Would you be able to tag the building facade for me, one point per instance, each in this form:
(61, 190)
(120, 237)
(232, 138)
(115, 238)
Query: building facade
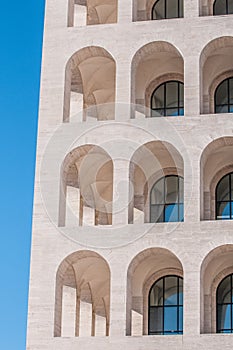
(132, 242)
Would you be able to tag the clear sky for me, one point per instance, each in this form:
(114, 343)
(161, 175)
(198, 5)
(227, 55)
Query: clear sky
(21, 28)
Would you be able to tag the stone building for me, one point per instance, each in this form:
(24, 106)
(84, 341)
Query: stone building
(132, 242)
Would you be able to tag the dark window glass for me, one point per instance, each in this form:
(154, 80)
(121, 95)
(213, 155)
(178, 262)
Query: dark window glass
(224, 97)
(224, 306)
(166, 306)
(167, 200)
(223, 7)
(163, 9)
(224, 198)
(168, 99)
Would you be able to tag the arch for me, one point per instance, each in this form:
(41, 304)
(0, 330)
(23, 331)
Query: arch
(142, 10)
(86, 187)
(224, 298)
(90, 76)
(144, 270)
(146, 72)
(149, 163)
(224, 198)
(89, 12)
(217, 264)
(215, 162)
(82, 295)
(215, 65)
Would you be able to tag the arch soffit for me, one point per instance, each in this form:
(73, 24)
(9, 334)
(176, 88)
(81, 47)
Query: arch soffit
(213, 45)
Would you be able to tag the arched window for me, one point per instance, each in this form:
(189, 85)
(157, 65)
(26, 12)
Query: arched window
(166, 306)
(223, 7)
(224, 97)
(163, 9)
(168, 99)
(167, 199)
(224, 198)
(225, 305)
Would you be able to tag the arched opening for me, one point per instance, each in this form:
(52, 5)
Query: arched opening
(224, 305)
(82, 296)
(155, 64)
(216, 162)
(88, 12)
(215, 268)
(168, 99)
(223, 97)
(165, 312)
(90, 85)
(157, 172)
(154, 273)
(224, 198)
(86, 187)
(144, 10)
(216, 65)
(222, 7)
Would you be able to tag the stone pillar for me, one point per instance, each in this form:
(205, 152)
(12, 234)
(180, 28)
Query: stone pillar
(191, 8)
(121, 193)
(125, 11)
(123, 90)
(191, 85)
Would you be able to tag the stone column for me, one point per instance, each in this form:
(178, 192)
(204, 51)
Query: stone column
(191, 8)
(191, 85)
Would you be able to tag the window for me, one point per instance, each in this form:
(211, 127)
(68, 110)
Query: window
(166, 306)
(163, 9)
(224, 97)
(224, 198)
(168, 99)
(225, 305)
(167, 200)
(223, 7)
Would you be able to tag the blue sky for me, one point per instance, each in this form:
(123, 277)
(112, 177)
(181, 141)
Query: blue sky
(21, 28)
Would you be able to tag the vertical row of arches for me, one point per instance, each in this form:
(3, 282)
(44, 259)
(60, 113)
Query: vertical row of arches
(155, 289)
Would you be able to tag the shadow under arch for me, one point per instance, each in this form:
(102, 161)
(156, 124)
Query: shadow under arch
(145, 72)
(149, 163)
(90, 76)
(216, 265)
(146, 268)
(215, 65)
(86, 187)
(215, 162)
(83, 280)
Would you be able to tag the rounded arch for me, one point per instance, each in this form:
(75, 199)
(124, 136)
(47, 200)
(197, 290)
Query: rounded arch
(86, 187)
(217, 264)
(149, 163)
(89, 12)
(145, 268)
(145, 71)
(215, 65)
(215, 162)
(90, 76)
(82, 295)
(142, 10)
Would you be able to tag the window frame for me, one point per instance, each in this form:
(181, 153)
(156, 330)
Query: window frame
(165, 5)
(226, 8)
(178, 203)
(178, 107)
(228, 104)
(226, 331)
(178, 306)
(230, 201)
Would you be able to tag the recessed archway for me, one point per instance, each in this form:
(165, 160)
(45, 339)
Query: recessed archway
(82, 296)
(216, 64)
(146, 268)
(86, 187)
(89, 85)
(153, 64)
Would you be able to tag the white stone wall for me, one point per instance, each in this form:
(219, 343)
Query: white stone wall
(192, 242)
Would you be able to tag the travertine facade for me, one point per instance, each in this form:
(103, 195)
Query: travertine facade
(95, 254)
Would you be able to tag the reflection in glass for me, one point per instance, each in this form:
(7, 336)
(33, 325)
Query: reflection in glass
(166, 306)
(223, 100)
(224, 198)
(167, 200)
(163, 9)
(223, 7)
(168, 99)
(225, 306)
